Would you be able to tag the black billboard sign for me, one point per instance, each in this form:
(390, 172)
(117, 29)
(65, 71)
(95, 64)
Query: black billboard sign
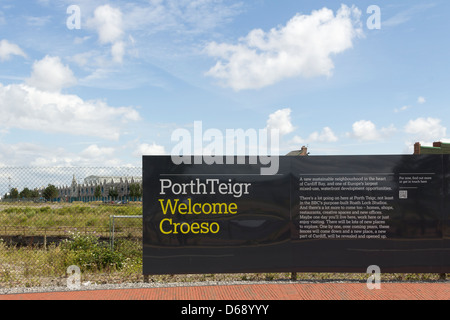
(317, 214)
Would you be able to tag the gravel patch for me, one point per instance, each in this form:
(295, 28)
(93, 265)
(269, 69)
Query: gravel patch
(87, 286)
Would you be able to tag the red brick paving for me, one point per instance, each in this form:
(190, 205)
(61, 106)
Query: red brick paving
(296, 291)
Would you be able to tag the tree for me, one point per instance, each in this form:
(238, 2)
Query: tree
(34, 194)
(98, 192)
(50, 192)
(113, 193)
(25, 193)
(14, 193)
(135, 190)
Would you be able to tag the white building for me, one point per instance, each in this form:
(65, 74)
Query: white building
(96, 188)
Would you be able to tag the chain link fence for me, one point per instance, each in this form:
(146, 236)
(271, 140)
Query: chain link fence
(55, 218)
(52, 218)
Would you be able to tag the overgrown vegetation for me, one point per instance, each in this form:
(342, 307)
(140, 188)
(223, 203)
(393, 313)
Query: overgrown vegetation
(87, 252)
(46, 264)
(100, 265)
(38, 265)
(73, 215)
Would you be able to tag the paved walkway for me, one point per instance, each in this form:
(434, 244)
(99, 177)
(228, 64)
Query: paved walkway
(289, 291)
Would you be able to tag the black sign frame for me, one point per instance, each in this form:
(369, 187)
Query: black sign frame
(390, 210)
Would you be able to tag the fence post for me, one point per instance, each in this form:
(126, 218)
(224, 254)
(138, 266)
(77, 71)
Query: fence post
(45, 239)
(110, 232)
(112, 227)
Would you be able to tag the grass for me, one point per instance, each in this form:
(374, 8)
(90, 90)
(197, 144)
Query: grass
(80, 215)
(29, 266)
(35, 266)
(56, 219)
(38, 267)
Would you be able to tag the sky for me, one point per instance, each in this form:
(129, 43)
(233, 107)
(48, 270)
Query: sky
(101, 83)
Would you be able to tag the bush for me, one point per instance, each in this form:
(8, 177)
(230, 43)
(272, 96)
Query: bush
(91, 254)
(98, 258)
(80, 242)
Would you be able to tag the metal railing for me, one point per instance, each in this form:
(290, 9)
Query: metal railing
(124, 230)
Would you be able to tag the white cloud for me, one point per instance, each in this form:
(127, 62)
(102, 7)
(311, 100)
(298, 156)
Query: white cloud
(281, 120)
(38, 21)
(406, 15)
(122, 32)
(326, 135)
(8, 49)
(421, 100)
(364, 130)
(39, 105)
(84, 59)
(181, 16)
(404, 108)
(303, 47)
(94, 151)
(36, 155)
(49, 74)
(147, 149)
(426, 129)
(118, 51)
(79, 40)
(29, 108)
(108, 22)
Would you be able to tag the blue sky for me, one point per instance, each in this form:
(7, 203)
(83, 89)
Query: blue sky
(135, 71)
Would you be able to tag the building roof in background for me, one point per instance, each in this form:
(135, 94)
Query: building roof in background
(437, 148)
(302, 152)
(108, 179)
